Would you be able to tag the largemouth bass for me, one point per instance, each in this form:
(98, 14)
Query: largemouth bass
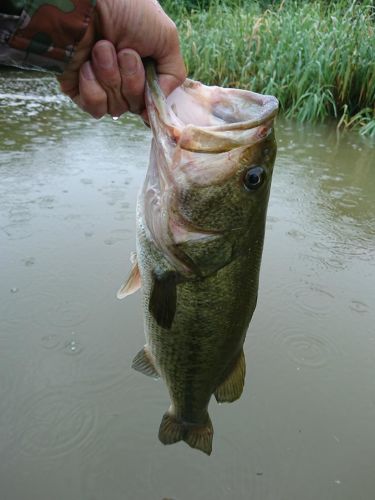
(200, 228)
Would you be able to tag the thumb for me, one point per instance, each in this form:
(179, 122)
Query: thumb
(170, 67)
(169, 82)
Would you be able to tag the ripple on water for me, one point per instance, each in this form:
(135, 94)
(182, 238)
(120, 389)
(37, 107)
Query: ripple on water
(50, 341)
(20, 215)
(68, 343)
(51, 305)
(61, 309)
(17, 231)
(97, 365)
(356, 248)
(72, 347)
(313, 299)
(87, 181)
(53, 423)
(296, 234)
(102, 369)
(327, 256)
(65, 311)
(117, 236)
(306, 349)
(358, 306)
(28, 261)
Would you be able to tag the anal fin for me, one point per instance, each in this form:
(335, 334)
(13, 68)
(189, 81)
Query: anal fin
(232, 387)
(142, 363)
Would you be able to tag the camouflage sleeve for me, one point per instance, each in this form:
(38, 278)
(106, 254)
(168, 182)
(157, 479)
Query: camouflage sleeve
(44, 34)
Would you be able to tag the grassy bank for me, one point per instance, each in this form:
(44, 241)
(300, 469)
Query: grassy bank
(317, 57)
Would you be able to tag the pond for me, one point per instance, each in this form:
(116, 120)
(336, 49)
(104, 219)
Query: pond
(76, 422)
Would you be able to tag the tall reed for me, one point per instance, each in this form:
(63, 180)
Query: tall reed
(317, 57)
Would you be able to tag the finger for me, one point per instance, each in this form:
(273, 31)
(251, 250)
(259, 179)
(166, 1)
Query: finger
(69, 79)
(70, 87)
(168, 83)
(170, 64)
(105, 66)
(91, 98)
(132, 79)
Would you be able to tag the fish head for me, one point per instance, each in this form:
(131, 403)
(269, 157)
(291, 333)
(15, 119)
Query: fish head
(211, 161)
(222, 191)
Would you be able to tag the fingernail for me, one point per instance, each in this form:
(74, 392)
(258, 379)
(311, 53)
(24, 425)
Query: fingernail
(128, 63)
(103, 55)
(87, 71)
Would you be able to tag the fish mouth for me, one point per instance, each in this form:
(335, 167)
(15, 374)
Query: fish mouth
(252, 109)
(209, 119)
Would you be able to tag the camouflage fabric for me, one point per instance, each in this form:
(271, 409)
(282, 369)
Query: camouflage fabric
(45, 33)
(13, 7)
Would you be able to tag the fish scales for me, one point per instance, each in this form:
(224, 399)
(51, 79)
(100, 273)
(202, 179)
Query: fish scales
(200, 229)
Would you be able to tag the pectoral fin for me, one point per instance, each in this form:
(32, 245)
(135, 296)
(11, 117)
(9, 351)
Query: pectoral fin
(163, 299)
(231, 388)
(142, 363)
(133, 283)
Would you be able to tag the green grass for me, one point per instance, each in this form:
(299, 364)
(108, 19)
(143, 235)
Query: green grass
(316, 57)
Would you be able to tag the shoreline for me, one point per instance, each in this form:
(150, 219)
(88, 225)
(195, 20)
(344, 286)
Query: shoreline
(316, 58)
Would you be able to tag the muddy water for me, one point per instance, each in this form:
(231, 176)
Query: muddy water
(76, 422)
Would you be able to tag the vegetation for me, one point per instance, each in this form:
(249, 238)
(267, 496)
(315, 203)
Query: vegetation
(317, 57)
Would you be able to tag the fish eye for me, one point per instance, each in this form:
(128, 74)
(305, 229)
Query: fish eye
(254, 178)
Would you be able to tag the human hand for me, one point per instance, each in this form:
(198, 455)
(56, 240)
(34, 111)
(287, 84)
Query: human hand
(112, 81)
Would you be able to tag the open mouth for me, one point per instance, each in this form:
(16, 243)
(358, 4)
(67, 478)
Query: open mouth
(212, 120)
(219, 109)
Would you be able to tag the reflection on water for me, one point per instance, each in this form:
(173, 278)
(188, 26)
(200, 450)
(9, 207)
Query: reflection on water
(76, 421)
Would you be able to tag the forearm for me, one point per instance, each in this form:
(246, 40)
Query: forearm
(42, 35)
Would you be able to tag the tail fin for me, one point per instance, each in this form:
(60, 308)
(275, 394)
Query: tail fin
(197, 436)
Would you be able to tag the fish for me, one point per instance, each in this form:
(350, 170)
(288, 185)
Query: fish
(201, 216)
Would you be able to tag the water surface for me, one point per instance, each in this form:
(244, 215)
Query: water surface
(76, 422)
